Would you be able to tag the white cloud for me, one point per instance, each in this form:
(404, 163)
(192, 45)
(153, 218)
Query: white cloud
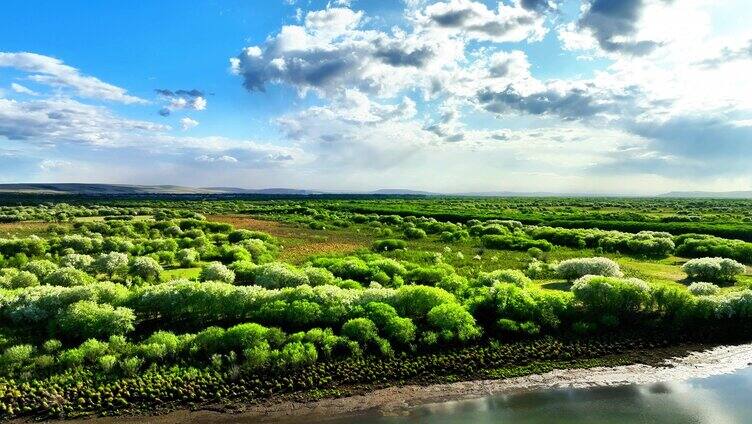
(510, 23)
(51, 165)
(53, 72)
(212, 159)
(187, 123)
(181, 99)
(20, 89)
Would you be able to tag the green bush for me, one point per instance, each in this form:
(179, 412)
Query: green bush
(68, 277)
(215, 271)
(713, 269)
(388, 245)
(572, 269)
(453, 322)
(86, 319)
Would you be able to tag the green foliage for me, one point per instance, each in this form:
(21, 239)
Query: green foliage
(573, 269)
(215, 271)
(145, 268)
(601, 295)
(68, 277)
(187, 257)
(453, 322)
(86, 319)
(40, 268)
(713, 269)
(387, 245)
(23, 279)
(514, 242)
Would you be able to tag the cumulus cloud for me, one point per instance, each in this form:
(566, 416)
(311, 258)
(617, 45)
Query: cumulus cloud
(475, 20)
(181, 99)
(187, 123)
(614, 25)
(53, 72)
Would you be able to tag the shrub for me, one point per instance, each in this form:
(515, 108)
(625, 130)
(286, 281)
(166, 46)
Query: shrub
(703, 289)
(245, 271)
(362, 330)
(77, 261)
(16, 356)
(52, 345)
(713, 269)
(171, 342)
(187, 257)
(388, 245)
(396, 329)
(215, 271)
(86, 319)
(416, 301)
(209, 341)
(572, 269)
(278, 274)
(23, 279)
(40, 268)
(319, 276)
(297, 354)
(511, 276)
(539, 270)
(68, 277)
(111, 263)
(146, 268)
(107, 363)
(130, 366)
(413, 233)
(610, 295)
(514, 242)
(453, 322)
(244, 336)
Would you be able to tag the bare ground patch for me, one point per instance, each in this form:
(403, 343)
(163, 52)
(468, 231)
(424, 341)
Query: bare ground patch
(300, 242)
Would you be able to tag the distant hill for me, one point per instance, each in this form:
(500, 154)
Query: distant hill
(236, 190)
(403, 192)
(710, 194)
(82, 188)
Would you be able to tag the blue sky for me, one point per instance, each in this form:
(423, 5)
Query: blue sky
(628, 96)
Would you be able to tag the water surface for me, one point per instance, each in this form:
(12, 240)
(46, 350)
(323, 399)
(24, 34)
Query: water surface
(720, 399)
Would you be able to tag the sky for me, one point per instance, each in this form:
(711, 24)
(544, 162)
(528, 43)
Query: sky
(568, 96)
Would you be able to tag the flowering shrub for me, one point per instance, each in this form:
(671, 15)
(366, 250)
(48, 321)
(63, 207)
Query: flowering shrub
(703, 289)
(713, 269)
(572, 269)
(215, 271)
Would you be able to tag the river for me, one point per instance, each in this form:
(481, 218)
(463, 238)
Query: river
(718, 399)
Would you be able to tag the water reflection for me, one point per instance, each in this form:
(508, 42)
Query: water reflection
(723, 399)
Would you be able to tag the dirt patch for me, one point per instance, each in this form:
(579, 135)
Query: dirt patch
(299, 242)
(277, 229)
(8, 229)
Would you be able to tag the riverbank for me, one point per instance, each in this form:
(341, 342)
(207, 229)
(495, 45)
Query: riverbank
(660, 365)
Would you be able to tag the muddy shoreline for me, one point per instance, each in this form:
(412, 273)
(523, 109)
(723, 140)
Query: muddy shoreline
(398, 399)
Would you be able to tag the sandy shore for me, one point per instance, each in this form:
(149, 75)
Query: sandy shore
(394, 400)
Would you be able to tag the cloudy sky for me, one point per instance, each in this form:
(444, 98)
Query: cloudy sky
(608, 96)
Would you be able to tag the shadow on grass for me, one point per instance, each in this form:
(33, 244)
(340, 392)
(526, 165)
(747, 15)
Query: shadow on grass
(558, 285)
